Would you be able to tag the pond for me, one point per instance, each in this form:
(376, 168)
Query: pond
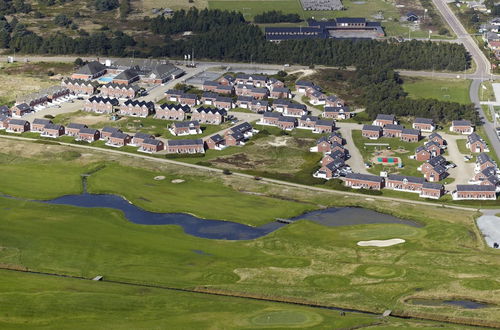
(466, 304)
(218, 229)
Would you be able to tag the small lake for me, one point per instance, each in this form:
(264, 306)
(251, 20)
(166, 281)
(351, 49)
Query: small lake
(227, 230)
(466, 304)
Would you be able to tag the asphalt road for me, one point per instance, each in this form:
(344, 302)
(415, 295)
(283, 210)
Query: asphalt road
(483, 68)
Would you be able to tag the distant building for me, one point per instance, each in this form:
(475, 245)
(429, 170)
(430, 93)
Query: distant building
(342, 27)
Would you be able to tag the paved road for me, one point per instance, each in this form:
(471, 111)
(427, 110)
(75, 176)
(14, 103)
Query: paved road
(483, 68)
(264, 180)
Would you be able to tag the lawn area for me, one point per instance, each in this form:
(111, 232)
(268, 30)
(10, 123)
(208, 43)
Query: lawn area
(240, 110)
(41, 301)
(213, 199)
(453, 90)
(150, 125)
(486, 92)
(368, 152)
(303, 261)
(462, 146)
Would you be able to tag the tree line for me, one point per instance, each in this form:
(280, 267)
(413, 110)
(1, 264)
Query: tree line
(226, 36)
(383, 93)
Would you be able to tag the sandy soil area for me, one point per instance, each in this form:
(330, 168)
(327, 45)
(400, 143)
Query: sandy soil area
(382, 243)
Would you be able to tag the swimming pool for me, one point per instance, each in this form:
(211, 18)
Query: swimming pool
(106, 79)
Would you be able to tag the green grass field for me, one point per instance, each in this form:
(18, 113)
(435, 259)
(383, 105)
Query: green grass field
(353, 8)
(213, 199)
(37, 301)
(456, 90)
(304, 261)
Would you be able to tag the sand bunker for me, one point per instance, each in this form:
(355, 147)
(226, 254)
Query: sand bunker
(382, 243)
(177, 181)
(159, 178)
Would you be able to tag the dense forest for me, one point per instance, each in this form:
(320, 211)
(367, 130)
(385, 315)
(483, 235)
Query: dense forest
(224, 35)
(383, 93)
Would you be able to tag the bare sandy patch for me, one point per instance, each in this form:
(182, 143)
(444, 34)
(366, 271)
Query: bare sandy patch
(382, 243)
(177, 181)
(280, 141)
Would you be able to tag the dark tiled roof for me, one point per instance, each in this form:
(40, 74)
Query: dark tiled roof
(40, 121)
(91, 68)
(110, 129)
(364, 177)
(433, 135)
(311, 118)
(242, 98)
(243, 127)
(439, 160)
(76, 125)
(185, 142)
(140, 135)
(412, 179)
(431, 185)
(410, 131)
(385, 117)
(260, 102)
(336, 109)
(372, 128)
(209, 95)
(483, 158)
(135, 88)
(128, 74)
(287, 119)
(100, 99)
(324, 122)
(272, 115)
(393, 127)
(17, 122)
(222, 112)
(461, 123)
(152, 142)
(54, 126)
(186, 123)
(217, 138)
(23, 107)
(474, 187)
(423, 121)
(88, 130)
(137, 103)
(174, 92)
(119, 135)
